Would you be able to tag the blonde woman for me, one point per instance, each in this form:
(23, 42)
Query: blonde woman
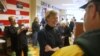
(49, 38)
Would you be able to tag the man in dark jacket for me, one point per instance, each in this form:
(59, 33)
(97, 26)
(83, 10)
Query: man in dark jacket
(18, 37)
(13, 33)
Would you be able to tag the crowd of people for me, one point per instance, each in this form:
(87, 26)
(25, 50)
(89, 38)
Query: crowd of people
(50, 38)
(54, 35)
(86, 44)
(53, 38)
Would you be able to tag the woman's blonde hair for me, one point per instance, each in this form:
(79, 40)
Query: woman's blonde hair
(50, 13)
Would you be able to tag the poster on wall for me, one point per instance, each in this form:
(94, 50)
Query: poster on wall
(3, 7)
(20, 5)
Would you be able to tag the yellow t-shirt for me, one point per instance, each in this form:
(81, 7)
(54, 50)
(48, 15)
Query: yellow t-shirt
(72, 50)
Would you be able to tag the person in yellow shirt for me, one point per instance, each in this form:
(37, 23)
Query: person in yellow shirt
(87, 44)
(72, 50)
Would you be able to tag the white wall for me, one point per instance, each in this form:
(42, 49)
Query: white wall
(78, 13)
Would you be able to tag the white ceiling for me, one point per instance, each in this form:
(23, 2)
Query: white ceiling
(66, 4)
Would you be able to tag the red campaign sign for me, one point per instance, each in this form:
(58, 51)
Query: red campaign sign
(6, 22)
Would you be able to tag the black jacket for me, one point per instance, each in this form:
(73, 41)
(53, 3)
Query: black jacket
(65, 31)
(14, 37)
(35, 27)
(71, 26)
(89, 42)
(18, 41)
(22, 39)
(48, 36)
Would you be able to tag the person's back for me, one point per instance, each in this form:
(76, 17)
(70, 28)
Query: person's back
(35, 25)
(85, 44)
(35, 29)
(71, 26)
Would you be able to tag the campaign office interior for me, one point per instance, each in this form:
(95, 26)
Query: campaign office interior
(26, 10)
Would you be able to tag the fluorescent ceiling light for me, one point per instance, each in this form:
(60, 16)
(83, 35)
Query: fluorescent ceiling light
(67, 4)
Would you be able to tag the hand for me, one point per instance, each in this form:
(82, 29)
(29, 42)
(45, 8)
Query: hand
(23, 28)
(62, 37)
(48, 48)
(55, 49)
(20, 30)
